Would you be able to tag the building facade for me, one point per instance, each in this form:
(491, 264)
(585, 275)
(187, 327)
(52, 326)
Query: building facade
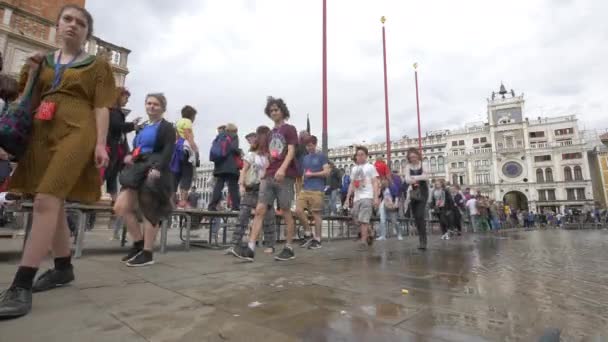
(28, 27)
(203, 181)
(536, 164)
(598, 164)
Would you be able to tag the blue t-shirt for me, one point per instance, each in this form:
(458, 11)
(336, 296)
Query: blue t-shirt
(146, 138)
(314, 163)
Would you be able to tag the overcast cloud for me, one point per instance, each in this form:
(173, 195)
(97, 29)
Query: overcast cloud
(224, 57)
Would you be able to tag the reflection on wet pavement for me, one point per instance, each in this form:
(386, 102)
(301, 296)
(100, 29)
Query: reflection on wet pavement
(506, 287)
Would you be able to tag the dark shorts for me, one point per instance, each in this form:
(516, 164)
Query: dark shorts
(183, 180)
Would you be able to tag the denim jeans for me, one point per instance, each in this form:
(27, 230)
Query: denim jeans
(117, 227)
(388, 215)
(495, 223)
(333, 202)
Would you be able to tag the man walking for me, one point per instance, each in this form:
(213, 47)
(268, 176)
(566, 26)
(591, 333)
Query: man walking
(278, 181)
(316, 169)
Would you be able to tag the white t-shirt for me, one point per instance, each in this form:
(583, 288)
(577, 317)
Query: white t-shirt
(472, 206)
(257, 167)
(362, 177)
(388, 200)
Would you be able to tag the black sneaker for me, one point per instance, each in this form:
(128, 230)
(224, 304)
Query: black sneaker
(53, 278)
(286, 254)
(133, 252)
(306, 241)
(315, 244)
(142, 259)
(15, 302)
(244, 253)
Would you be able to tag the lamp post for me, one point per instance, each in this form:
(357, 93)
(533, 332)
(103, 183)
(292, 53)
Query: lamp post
(388, 129)
(324, 79)
(418, 107)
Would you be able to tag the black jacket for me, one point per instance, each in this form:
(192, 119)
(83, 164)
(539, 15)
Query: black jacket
(228, 165)
(117, 136)
(154, 198)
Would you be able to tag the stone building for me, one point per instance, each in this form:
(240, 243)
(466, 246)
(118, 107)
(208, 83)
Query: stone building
(598, 165)
(203, 180)
(28, 27)
(537, 164)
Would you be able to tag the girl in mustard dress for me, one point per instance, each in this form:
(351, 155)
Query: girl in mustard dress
(66, 149)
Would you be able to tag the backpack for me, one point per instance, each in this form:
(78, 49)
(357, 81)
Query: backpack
(220, 148)
(252, 175)
(16, 119)
(395, 186)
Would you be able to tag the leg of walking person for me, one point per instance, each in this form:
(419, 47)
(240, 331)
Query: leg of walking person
(146, 257)
(333, 202)
(392, 216)
(17, 301)
(125, 207)
(382, 211)
(316, 207)
(418, 208)
(270, 230)
(285, 194)
(250, 199)
(270, 190)
(304, 202)
(457, 220)
(63, 272)
(443, 223)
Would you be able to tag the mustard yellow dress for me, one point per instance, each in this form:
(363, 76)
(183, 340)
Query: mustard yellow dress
(60, 157)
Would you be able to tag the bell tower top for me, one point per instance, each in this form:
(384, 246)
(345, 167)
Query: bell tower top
(505, 107)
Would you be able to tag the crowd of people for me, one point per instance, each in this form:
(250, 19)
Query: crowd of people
(79, 122)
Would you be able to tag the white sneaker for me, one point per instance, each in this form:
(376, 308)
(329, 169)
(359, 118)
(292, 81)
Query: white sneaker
(381, 238)
(444, 236)
(399, 237)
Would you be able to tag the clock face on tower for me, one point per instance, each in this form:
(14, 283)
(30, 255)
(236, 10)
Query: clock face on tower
(512, 169)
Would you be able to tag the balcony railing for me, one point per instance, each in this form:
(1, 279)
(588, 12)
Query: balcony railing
(563, 143)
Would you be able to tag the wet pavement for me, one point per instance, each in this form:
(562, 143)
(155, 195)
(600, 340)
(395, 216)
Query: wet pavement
(507, 287)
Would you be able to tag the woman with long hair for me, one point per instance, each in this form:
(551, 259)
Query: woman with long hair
(443, 205)
(66, 148)
(147, 182)
(418, 192)
(118, 147)
(255, 163)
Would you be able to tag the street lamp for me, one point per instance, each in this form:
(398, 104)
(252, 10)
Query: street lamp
(388, 129)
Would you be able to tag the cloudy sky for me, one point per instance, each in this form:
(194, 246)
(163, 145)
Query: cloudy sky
(224, 57)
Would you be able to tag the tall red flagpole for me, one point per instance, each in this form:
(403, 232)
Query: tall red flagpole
(388, 129)
(324, 79)
(418, 107)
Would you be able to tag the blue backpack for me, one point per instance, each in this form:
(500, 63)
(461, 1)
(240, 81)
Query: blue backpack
(395, 186)
(220, 148)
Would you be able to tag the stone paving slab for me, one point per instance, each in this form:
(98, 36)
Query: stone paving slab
(505, 287)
